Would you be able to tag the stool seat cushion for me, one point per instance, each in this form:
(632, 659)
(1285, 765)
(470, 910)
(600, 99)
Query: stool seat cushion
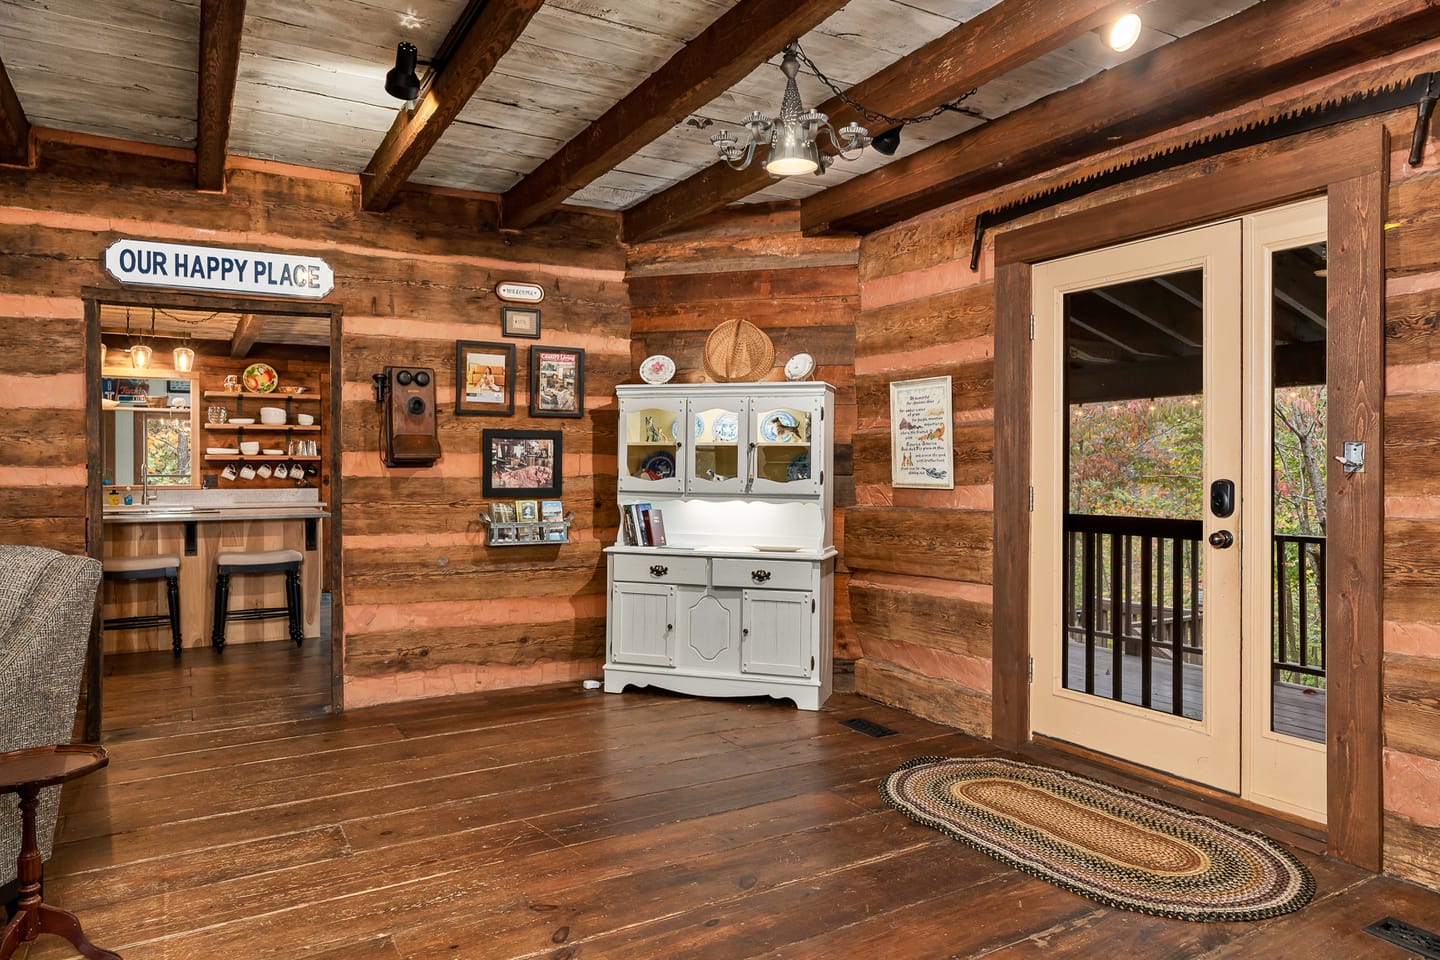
(259, 558)
(159, 563)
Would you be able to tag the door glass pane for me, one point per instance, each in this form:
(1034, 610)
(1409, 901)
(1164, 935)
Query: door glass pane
(651, 440)
(717, 443)
(1135, 491)
(782, 444)
(1297, 310)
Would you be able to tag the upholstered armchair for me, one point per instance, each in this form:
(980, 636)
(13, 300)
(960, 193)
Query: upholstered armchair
(47, 601)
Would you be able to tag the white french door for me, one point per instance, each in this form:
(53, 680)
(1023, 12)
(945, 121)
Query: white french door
(1155, 560)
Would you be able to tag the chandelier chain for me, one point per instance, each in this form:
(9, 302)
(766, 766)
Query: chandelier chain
(872, 116)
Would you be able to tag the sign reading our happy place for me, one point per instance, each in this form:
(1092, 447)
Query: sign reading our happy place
(218, 269)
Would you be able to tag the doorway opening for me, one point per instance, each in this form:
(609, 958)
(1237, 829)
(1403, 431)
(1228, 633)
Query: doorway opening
(214, 425)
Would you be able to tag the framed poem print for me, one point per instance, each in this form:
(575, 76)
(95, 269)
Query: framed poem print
(484, 378)
(520, 322)
(921, 446)
(557, 382)
(520, 463)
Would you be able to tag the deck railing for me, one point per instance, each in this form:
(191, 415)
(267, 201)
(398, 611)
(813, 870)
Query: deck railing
(1132, 589)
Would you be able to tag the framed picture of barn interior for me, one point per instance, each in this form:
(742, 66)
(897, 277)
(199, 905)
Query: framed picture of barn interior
(484, 378)
(557, 382)
(521, 463)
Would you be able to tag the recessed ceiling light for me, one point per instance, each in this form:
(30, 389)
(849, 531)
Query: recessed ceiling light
(1122, 34)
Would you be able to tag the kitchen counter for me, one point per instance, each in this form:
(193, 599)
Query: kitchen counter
(185, 514)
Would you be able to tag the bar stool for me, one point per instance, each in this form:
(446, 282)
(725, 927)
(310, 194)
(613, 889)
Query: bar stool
(262, 561)
(149, 568)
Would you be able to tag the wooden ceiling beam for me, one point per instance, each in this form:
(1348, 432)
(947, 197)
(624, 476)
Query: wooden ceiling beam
(247, 333)
(414, 132)
(14, 128)
(221, 24)
(987, 46)
(720, 57)
(1260, 50)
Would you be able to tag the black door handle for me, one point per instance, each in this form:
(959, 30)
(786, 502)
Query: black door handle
(1222, 539)
(1222, 498)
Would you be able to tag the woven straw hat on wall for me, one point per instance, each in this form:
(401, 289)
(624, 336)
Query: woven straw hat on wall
(738, 350)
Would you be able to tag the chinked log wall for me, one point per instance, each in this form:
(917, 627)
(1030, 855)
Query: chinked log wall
(428, 609)
(752, 263)
(920, 588)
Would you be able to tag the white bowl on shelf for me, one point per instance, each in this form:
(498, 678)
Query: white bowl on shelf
(272, 415)
(305, 419)
(250, 447)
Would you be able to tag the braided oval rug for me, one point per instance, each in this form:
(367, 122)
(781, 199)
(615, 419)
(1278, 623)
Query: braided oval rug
(1111, 845)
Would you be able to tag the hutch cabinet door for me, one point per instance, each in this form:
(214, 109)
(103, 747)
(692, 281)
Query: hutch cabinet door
(776, 632)
(716, 463)
(651, 444)
(785, 435)
(642, 624)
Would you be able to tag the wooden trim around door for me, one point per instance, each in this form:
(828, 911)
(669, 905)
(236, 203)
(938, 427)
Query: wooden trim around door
(1352, 168)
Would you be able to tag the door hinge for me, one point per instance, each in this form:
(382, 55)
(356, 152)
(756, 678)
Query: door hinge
(812, 664)
(1032, 326)
(1029, 669)
(1032, 499)
(812, 604)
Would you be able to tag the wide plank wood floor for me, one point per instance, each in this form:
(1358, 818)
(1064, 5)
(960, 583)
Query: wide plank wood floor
(239, 819)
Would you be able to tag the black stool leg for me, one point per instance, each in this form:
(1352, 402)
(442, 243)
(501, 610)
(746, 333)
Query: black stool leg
(172, 597)
(222, 611)
(292, 600)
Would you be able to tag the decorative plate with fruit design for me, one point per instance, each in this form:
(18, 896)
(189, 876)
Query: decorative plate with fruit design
(260, 378)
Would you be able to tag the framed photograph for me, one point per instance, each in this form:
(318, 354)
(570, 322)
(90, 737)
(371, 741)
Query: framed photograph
(528, 511)
(921, 445)
(557, 382)
(520, 322)
(484, 378)
(177, 386)
(520, 463)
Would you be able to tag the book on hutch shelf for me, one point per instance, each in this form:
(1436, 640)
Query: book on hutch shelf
(657, 527)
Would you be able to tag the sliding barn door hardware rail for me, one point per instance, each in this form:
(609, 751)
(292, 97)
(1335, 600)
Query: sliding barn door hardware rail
(1420, 91)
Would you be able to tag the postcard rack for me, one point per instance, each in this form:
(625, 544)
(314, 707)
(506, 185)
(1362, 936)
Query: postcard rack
(526, 533)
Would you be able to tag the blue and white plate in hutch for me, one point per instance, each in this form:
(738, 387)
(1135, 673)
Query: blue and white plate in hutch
(658, 466)
(768, 428)
(799, 468)
(727, 427)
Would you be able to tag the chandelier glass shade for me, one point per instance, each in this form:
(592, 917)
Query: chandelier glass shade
(793, 137)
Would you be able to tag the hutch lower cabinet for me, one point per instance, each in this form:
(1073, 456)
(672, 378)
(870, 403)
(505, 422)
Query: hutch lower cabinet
(738, 602)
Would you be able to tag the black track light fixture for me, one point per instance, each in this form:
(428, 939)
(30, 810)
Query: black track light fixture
(887, 143)
(401, 82)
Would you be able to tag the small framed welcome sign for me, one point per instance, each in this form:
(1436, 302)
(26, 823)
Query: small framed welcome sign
(921, 448)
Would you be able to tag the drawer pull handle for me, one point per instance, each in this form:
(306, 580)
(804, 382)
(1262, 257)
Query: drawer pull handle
(658, 570)
(759, 576)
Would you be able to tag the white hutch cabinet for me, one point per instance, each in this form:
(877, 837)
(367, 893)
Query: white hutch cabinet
(738, 603)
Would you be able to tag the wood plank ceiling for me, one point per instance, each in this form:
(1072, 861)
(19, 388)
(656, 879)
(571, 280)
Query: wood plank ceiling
(610, 105)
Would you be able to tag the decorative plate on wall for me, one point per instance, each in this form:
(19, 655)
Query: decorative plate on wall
(260, 378)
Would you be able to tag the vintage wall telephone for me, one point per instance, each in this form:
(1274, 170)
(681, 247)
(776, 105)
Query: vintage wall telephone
(407, 416)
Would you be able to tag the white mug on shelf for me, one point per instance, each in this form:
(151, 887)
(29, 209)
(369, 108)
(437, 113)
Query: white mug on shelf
(263, 471)
(229, 473)
(282, 470)
(247, 472)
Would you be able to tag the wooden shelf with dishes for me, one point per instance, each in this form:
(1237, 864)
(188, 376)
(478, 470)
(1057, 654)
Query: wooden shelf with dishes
(257, 456)
(266, 397)
(264, 427)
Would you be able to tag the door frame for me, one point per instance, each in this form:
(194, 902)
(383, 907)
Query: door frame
(1351, 167)
(93, 297)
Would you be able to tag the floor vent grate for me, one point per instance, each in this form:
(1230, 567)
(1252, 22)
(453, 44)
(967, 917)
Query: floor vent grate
(868, 727)
(1406, 935)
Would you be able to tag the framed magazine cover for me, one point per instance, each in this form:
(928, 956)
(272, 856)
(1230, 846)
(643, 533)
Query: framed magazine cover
(484, 378)
(557, 382)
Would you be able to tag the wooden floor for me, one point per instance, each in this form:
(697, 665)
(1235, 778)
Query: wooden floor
(238, 819)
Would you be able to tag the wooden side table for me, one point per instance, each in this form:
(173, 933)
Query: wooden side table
(27, 772)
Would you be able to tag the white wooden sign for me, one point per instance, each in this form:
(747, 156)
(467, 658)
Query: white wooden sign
(519, 292)
(921, 448)
(218, 269)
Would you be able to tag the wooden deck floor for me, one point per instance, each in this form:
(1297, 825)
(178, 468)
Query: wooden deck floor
(238, 819)
(1299, 711)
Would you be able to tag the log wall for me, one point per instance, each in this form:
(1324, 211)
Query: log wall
(752, 263)
(428, 609)
(921, 560)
